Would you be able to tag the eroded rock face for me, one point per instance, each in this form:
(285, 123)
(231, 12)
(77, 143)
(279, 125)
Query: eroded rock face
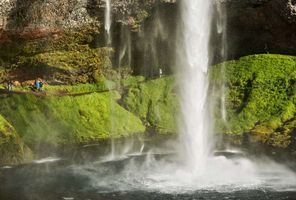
(36, 18)
(32, 19)
(44, 14)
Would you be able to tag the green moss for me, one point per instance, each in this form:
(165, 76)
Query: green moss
(80, 89)
(261, 95)
(71, 60)
(75, 89)
(80, 65)
(131, 81)
(12, 149)
(68, 119)
(60, 45)
(139, 18)
(155, 103)
(66, 41)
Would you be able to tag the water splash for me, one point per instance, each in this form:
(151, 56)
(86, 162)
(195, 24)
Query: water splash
(47, 160)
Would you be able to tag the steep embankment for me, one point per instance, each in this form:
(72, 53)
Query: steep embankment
(69, 120)
(155, 102)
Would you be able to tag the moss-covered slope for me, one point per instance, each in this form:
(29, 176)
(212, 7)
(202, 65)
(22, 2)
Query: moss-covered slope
(260, 97)
(155, 103)
(68, 119)
(12, 148)
(78, 65)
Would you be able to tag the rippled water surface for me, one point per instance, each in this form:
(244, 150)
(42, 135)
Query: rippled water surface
(146, 175)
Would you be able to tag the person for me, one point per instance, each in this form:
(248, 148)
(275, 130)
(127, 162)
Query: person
(37, 84)
(40, 85)
(9, 86)
(160, 72)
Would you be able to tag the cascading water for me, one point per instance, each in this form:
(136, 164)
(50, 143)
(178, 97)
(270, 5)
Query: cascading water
(222, 32)
(107, 27)
(196, 18)
(108, 21)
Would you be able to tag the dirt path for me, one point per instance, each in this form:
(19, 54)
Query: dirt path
(43, 93)
(59, 93)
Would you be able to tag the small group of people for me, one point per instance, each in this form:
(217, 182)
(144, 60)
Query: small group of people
(38, 84)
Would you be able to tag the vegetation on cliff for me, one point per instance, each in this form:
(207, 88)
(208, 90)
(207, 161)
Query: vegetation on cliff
(260, 100)
(81, 65)
(84, 113)
(155, 103)
(260, 97)
(12, 148)
(69, 119)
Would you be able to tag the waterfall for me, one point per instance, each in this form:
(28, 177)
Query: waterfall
(107, 27)
(194, 61)
(222, 31)
(108, 21)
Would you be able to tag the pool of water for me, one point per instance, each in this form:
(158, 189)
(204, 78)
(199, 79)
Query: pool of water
(146, 173)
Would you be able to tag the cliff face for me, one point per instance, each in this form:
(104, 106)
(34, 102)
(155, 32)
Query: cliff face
(252, 26)
(34, 19)
(31, 19)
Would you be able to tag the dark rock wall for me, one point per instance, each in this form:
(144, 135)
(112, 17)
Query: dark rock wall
(266, 26)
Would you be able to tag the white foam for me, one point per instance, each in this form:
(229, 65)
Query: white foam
(7, 167)
(47, 160)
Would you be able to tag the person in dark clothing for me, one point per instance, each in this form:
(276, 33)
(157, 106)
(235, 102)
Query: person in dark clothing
(9, 85)
(40, 85)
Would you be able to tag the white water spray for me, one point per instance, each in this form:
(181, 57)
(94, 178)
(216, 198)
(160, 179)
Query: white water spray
(108, 21)
(196, 18)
